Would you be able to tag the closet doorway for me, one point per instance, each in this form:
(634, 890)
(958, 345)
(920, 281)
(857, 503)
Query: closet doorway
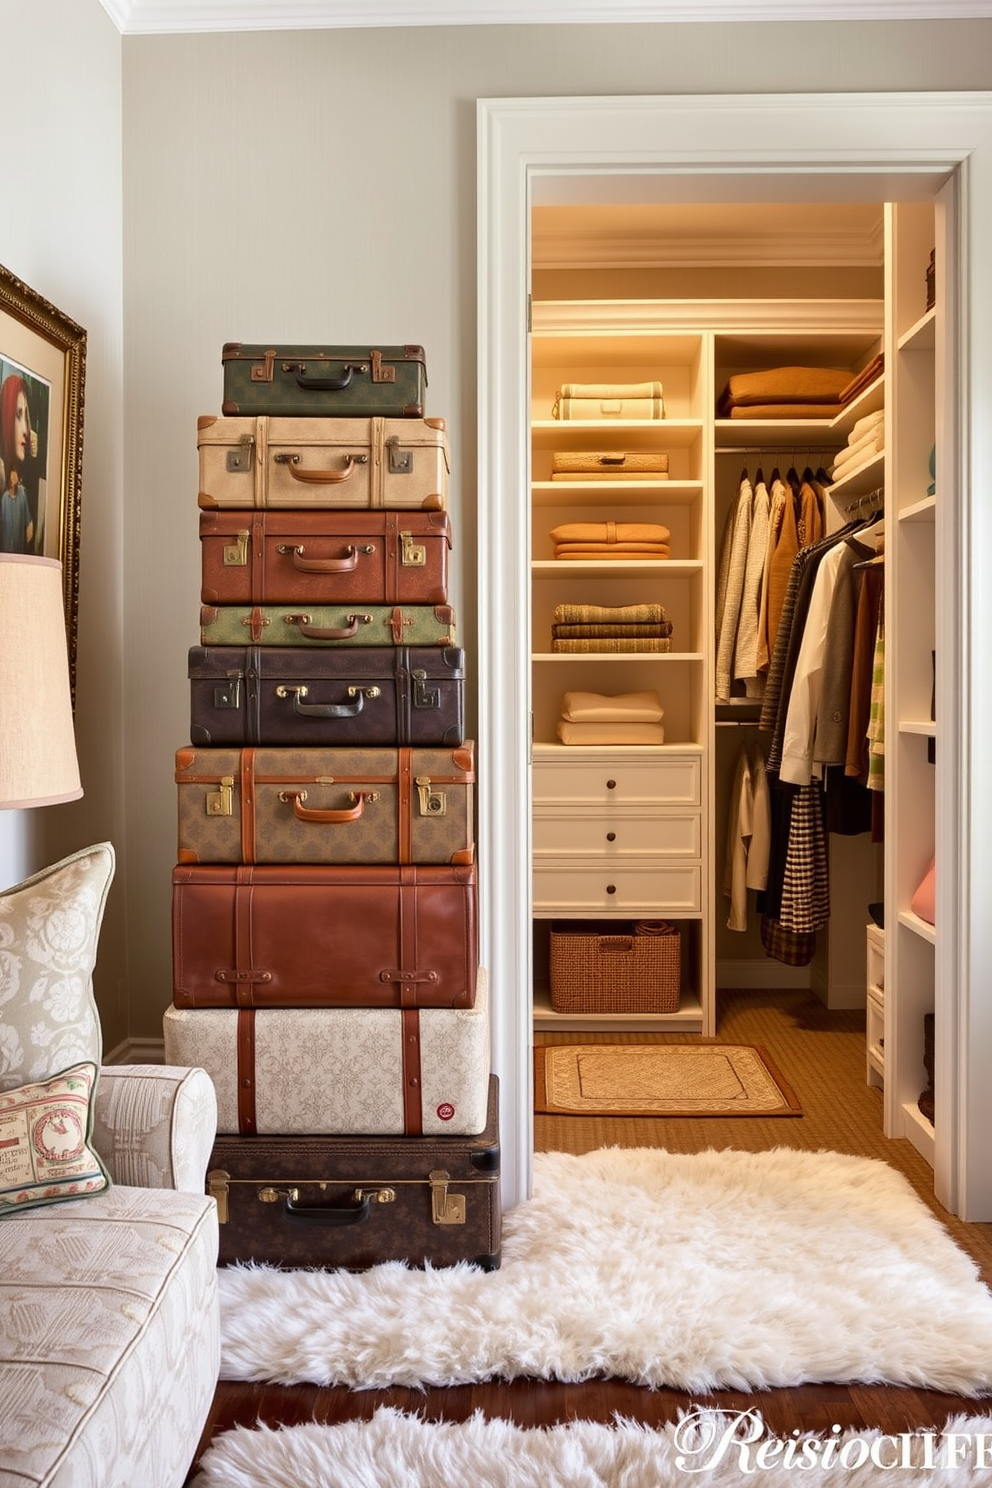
(872, 149)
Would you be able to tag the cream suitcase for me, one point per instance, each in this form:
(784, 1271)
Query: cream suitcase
(341, 1071)
(392, 463)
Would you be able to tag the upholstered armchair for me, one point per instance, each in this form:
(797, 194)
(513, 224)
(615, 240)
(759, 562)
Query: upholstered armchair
(109, 1329)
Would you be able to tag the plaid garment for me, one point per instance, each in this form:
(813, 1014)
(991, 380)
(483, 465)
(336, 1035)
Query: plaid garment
(787, 946)
(876, 720)
(806, 884)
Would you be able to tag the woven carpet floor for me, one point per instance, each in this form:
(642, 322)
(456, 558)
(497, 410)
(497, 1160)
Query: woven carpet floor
(822, 1056)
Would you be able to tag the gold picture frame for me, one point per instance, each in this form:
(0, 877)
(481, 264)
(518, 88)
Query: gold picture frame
(42, 371)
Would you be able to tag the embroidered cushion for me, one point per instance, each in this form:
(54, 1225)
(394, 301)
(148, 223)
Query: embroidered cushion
(49, 930)
(45, 1152)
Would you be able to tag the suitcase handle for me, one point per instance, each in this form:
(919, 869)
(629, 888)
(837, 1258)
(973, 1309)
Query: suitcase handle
(327, 632)
(325, 384)
(351, 1211)
(320, 477)
(328, 817)
(328, 710)
(347, 563)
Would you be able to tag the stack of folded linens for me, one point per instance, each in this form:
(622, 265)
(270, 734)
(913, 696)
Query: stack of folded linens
(609, 400)
(864, 442)
(863, 379)
(615, 540)
(599, 718)
(596, 628)
(784, 393)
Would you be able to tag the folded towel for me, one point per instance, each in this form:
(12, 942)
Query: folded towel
(866, 425)
(786, 385)
(852, 459)
(610, 532)
(604, 630)
(592, 645)
(787, 411)
(599, 707)
(864, 378)
(619, 614)
(612, 550)
(610, 733)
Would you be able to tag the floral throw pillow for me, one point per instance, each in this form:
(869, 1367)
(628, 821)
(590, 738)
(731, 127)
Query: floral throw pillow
(45, 1152)
(49, 931)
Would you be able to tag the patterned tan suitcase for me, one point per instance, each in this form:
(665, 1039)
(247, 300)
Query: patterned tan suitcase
(323, 462)
(326, 805)
(317, 1071)
(324, 557)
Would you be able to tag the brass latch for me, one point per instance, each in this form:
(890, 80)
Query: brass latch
(239, 458)
(273, 1195)
(446, 1209)
(432, 802)
(220, 802)
(236, 552)
(375, 1195)
(414, 554)
(424, 696)
(218, 1187)
(400, 460)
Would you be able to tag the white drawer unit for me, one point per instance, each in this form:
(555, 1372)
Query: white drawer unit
(576, 888)
(616, 778)
(558, 832)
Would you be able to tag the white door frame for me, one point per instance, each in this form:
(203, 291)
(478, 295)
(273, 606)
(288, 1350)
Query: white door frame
(883, 145)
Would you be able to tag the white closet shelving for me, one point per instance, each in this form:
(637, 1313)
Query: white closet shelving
(626, 832)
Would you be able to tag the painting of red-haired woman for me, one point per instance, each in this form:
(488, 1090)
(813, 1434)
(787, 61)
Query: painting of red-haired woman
(24, 403)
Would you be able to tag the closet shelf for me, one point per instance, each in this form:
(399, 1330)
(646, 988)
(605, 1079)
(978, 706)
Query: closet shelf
(633, 434)
(922, 335)
(859, 482)
(688, 1017)
(924, 726)
(870, 401)
(617, 493)
(783, 435)
(615, 658)
(580, 568)
(920, 511)
(919, 927)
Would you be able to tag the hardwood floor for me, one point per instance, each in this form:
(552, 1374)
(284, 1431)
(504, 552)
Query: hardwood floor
(821, 1054)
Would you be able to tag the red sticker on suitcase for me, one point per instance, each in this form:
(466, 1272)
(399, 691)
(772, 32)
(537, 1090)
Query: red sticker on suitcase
(445, 1111)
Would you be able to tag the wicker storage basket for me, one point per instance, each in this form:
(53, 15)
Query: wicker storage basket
(605, 465)
(612, 967)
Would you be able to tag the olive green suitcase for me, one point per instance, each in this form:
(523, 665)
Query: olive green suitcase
(327, 625)
(329, 381)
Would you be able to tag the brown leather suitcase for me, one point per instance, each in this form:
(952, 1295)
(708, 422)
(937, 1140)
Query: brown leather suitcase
(340, 1071)
(374, 695)
(260, 805)
(324, 557)
(298, 935)
(353, 1202)
(400, 464)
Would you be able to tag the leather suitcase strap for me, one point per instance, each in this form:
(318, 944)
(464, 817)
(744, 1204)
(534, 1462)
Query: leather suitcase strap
(404, 803)
(247, 1120)
(248, 805)
(253, 701)
(413, 1105)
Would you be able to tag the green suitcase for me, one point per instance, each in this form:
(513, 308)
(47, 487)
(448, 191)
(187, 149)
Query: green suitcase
(324, 381)
(327, 625)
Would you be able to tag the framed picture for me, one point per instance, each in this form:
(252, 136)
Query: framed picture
(42, 368)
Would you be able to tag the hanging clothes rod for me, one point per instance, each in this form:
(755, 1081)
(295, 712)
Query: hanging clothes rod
(870, 501)
(768, 450)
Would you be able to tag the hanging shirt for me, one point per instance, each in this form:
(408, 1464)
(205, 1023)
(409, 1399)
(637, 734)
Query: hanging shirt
(746, 650)
(736, 567)
(748, 834)
(776, 513)
(799, 739)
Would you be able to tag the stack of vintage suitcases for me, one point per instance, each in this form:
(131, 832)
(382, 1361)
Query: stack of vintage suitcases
(325, 949)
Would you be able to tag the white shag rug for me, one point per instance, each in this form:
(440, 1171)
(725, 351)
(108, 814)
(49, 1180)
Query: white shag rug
(714, 1270)
(395, 1450)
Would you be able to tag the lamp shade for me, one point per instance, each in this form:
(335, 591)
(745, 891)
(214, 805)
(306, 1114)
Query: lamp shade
(38, 764)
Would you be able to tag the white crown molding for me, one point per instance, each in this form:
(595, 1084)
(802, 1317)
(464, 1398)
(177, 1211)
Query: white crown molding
(598, 249)
(134, 17)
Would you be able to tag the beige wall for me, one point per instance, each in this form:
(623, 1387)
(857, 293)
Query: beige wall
(60, 232)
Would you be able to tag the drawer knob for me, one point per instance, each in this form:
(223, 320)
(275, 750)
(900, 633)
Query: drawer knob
(611, 785)
(611, 888)
(611, 836)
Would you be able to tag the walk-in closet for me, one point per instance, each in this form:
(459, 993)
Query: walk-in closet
(781, 818)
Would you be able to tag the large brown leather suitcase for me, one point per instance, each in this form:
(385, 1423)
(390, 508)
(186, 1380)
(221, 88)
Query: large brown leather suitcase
(326, 805)
(323, 557)
(334, 381)
(340, 1071)
(299, 935)
(383, 695)
(354, 1202)
(401, 464)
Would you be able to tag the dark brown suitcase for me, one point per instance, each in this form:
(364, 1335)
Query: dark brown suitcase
(259, 805)
(374, 695)
(324, 557)
(298, 935)
(353, 1202)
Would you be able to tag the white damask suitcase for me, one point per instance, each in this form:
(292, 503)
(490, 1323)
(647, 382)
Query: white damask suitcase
(341, 1071)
